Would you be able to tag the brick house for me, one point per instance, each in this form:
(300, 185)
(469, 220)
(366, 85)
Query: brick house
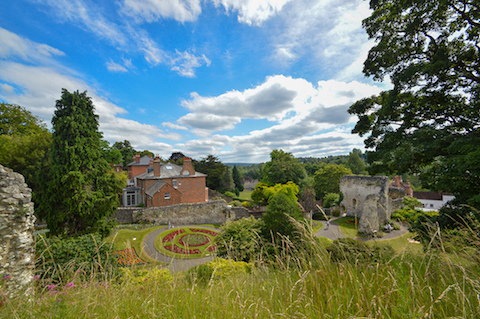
(163, 184)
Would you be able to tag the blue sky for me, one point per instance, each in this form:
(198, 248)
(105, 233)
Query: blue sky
(234, 78)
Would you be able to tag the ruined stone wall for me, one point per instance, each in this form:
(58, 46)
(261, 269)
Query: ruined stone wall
(214, 212)
(17, 256)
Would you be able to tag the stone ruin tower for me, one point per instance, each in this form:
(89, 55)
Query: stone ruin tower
(372, 199)
(17, 256)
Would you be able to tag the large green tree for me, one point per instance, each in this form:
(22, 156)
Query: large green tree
(24, 143)
(327, 179)
(283, 167)
(127, 151)
(214, 169)
(355, 163)
(81, 190)
(430, 121)
(237, 178)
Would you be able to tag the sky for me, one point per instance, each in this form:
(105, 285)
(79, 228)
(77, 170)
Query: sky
(232, 78)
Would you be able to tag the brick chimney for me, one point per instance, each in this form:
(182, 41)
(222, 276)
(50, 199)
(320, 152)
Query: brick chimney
(409, 189)
(136, 158)
(397, 181)
(156, 166)
(187, 168)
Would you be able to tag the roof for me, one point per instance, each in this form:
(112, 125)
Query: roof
(428, 195)
(167, 170)
(154, 188)
(144, 160)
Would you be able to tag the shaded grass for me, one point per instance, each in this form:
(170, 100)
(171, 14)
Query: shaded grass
(400, 244)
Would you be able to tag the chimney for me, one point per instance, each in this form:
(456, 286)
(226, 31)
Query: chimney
(136, 158)
(397, 181)
(187, 168)
(409, 189)
(156, 166)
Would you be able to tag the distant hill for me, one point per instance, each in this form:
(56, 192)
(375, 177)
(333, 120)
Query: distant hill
(240, 164)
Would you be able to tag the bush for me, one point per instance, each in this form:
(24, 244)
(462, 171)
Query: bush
(230, 194)
(235, 203)
(57, 257)
(247, 204)
(320, 216)
(218, 268)
(336, 212)
(330, 200)
(351, 250)
(240, 240)
(139, 276)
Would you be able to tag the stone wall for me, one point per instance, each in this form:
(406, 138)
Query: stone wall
(371, 199)
(214, 212)
(17, 255)
(124, 215)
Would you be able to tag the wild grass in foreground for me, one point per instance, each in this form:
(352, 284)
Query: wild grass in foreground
(294, 283)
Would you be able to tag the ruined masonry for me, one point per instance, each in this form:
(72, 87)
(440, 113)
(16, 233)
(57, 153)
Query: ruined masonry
(17, 257)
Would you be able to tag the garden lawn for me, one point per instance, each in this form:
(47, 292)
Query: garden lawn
(245, 195)
(123, 239)
(347, 226)
(400, 244)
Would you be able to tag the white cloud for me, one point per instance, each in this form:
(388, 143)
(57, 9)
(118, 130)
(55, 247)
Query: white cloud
(174, 126)
(327, 35)
(153, 10)
(7, 89)
(185, 62)
(88, 16)
(252, 12)
(115, 67)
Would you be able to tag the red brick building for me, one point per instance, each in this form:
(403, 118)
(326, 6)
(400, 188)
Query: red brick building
(163, 184)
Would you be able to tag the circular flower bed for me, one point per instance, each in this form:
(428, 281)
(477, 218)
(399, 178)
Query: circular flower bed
(186, 242)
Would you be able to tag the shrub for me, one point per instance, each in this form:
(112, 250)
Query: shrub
(320, 216)
(247, 204)
(336, 212)
(351, 250)
(230, 194)
(240, 240)
(138, 276)
(219, 268)
(235, 203)
(57, 257)
(330, 200)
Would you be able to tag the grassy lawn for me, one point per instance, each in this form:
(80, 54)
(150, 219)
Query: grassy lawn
(124, 238)
(316, 225)
(245, 195)
(400, 244)
(347, 226)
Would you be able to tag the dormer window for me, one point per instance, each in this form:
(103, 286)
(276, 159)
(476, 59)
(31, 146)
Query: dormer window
(168, 167)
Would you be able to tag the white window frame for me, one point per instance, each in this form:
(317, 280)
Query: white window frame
(167, 196)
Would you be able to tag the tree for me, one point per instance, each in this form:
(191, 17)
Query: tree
(146, 153)
(214, 169)
(81, 190)
(277, 220)
(15, 119)
(264, 192)
(430, 121)
(327, 179)
(227, 183)
(127, 151)
(282, 168)
(355, 163)
(24, 143)
(111, 154)
(237, 178)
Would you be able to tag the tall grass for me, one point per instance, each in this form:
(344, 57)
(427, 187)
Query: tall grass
(293, 283)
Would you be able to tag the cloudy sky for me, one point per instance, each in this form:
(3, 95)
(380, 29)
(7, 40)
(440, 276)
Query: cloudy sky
(234, 78)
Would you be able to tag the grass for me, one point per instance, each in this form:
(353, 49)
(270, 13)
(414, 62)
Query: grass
(400, 244)
(124, 238)
(245, 195)
(347, 226)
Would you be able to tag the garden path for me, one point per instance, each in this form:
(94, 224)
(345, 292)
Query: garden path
(174, 264)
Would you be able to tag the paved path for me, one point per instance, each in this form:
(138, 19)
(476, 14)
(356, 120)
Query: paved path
(333, 232)
(174, 264)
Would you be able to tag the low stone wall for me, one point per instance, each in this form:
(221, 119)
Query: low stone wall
(124, 215)
(17, 255)
(214, 212)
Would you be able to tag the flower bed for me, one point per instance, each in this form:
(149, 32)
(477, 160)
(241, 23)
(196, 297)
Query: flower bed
(172, 235)
(127, 257)
(187, 242)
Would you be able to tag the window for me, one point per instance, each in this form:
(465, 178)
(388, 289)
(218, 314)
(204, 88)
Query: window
(354, 203)
(168, 167)
(175, 183)
(131, 198)
(167, 196)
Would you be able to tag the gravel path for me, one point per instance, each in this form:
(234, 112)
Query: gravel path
(174, 264)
